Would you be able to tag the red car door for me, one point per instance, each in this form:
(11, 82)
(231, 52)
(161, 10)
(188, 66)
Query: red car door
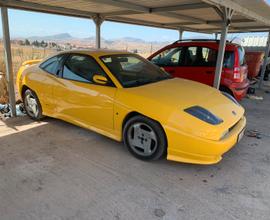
(171, 60)
(191, 62)
(199, 64)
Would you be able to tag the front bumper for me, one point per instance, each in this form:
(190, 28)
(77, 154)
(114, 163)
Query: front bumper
(190, 149)
(239, 90)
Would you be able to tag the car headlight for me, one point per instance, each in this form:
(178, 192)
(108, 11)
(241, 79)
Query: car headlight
(231, 98)
(204, 115)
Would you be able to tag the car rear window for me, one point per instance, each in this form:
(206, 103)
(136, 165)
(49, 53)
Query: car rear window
(52, 64)
(241, 53)
(228, 59)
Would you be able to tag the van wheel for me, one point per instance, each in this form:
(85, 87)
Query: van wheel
(144, 138)
(227, 90)
(32, 105)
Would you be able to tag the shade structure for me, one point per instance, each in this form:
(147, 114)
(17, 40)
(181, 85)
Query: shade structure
(189, 15)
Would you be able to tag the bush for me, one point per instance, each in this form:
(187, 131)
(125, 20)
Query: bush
(3, 89)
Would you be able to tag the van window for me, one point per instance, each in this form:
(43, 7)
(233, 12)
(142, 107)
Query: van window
(228, 59)
(241, 55)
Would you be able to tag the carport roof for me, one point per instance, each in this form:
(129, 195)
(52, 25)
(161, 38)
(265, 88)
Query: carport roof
(187, 15)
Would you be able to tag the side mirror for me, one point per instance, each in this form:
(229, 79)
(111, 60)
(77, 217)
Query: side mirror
(100, 79)
(162, 68)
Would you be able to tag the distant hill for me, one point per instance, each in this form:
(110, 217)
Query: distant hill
(68, 37)
(124, 43)
(131, 39)
(56, 37)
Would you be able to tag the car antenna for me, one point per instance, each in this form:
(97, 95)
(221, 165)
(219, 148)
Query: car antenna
(233, 39)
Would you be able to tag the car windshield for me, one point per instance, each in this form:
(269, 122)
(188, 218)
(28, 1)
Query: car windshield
(132, 70)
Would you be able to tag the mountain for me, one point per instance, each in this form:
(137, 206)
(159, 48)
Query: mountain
(124, 43)
(131, 40)
(56, 37)
(69, 38)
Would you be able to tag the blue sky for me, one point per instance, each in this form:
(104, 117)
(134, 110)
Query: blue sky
(25, 24)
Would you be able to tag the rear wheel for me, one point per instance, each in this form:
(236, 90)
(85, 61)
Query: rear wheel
(144, 138)
(32, 105)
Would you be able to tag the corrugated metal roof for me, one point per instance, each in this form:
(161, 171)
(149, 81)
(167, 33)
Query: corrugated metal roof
(190, 15)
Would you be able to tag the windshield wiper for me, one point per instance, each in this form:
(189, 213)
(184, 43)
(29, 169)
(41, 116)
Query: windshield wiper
(159, 78)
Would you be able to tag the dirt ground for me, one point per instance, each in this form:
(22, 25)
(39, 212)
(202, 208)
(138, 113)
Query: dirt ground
(53, 170)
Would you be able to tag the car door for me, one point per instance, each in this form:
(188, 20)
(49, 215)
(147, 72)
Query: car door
(81, 101)
(199, 64)
(48, 72)
(171, 60)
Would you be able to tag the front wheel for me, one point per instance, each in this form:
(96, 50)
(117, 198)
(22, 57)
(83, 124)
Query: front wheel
(32, 105)
(144, 138)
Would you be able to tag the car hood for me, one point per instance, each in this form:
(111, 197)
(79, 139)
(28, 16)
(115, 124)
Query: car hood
(166, 100)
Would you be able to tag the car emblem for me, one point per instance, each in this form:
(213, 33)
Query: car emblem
(233, 112)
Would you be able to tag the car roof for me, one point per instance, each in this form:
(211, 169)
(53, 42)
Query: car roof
(204, 42)
(95, 52)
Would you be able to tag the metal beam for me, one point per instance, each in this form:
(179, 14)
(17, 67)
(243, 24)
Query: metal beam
(232, 21)
(138, 8)
(215, 22)
(151, 24)
(227, 15)
(45, 8)
(250, 27)
(161, 9)
(182, 17)
(181, 32)
(122, 12)
(98, 21)
(266, 55)
(8, 60)
(239, 8)
(181, 7)
(122, 4)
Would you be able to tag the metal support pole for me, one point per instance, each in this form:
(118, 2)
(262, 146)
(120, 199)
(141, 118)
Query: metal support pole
(266, 54)
(8, 61)
(98, 21)
(227, 15)
(181, 32)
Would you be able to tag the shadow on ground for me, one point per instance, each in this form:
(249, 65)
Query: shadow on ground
(54, 170)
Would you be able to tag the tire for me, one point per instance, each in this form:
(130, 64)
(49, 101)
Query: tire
(227, 90)
(144, 138)
(31, 102)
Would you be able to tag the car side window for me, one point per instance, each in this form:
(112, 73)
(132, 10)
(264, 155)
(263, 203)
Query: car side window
(191, 54)
(169, 57)
(228, 61)
(209, 57)
(81, 68)
(52, 65)
(200, 56)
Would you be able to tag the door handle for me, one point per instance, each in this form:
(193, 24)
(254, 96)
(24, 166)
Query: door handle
(209, 72)
(57, 72)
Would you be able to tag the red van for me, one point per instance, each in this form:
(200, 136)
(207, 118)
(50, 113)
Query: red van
(196, 60)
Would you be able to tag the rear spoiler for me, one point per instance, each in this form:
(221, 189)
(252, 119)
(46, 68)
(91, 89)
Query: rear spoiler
(31, 62)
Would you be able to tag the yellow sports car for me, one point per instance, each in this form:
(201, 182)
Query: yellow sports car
(125, 97)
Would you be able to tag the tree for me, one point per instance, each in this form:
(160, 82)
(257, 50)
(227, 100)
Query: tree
(26, 42)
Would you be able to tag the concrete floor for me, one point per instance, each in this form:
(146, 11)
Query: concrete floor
(53, 170)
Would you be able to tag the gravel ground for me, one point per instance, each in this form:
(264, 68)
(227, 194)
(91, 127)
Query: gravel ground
(54, 170)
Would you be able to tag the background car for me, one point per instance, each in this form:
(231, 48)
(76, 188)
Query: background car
(196, 60)
(127, 98)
